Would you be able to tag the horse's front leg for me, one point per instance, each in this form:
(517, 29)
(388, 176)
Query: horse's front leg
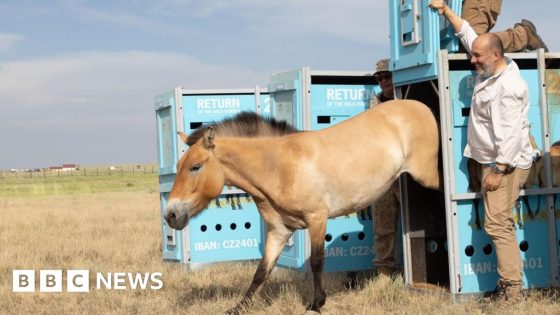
(276, 237)
(317, 230)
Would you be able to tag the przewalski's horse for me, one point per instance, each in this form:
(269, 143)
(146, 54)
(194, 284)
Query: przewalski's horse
(301, 179)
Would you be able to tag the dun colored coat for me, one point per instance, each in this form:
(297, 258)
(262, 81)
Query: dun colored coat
(300, 179)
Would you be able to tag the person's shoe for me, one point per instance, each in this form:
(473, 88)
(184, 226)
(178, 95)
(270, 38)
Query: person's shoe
(506, 293)
(513, 293)
(534, 41)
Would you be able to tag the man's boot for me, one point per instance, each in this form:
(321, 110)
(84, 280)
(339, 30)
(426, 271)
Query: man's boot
(513, 293)
(534, 41)
(499, 294)
(507, 293)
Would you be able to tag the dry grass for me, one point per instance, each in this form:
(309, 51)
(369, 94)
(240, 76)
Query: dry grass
(120, 232)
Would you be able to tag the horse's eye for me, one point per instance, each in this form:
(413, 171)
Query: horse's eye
(195, 167)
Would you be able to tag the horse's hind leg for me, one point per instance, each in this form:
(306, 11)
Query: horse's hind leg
(276, 236)
(423, 167)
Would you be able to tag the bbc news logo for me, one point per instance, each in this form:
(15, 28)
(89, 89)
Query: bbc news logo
(79, 281)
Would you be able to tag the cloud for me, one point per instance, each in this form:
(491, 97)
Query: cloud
(7, 41)
(96, 106)
(102, 76)
(356, 20)
(128, 16)
(206, 9)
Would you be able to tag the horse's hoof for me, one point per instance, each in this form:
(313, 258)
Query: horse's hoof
(311, 311)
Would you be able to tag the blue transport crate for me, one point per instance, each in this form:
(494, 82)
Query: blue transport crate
(417, 34)
(478, 260)
(334, 103)
(552, 80)
(477, 253)
(427, 68)
(468, 255)
(312, 100)
(462, 84)
(172, 242)
(231, 227)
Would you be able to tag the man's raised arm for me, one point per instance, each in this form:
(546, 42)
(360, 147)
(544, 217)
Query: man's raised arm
(443, 9)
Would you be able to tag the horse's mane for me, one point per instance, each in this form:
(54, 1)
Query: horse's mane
(244, 125)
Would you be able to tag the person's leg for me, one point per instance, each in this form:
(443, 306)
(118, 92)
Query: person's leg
(385, 217)
(499, 225)
(520, 37)
(481, 14)
(514, 39)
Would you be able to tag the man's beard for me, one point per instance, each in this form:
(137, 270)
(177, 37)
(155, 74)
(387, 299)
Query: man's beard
(485, 70)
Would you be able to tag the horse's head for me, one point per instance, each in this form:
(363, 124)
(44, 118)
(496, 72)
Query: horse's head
(199, 179)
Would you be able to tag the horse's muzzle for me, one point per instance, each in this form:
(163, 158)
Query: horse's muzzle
(177, 214)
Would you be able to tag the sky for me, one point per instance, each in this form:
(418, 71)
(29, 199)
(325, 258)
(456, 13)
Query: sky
(78, 78)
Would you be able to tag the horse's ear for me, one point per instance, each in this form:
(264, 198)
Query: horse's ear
(184, 137)
(209, 138)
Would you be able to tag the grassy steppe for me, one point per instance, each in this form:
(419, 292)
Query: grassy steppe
(112, 224)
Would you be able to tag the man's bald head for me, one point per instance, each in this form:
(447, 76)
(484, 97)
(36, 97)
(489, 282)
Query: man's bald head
(487, 54)
(491, 42)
